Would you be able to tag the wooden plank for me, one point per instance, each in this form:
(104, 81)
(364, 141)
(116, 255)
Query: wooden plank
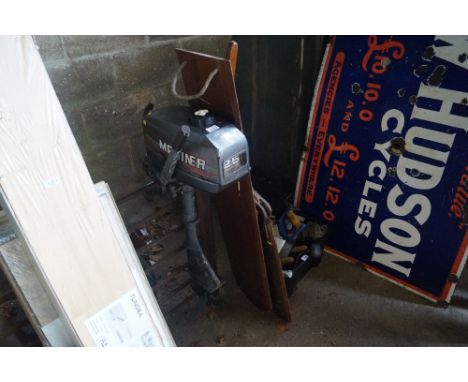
(48, 192)
(118, 226)
(233, 50)
(31, 294)
(221, 96)
(235, 204)
(279, 293)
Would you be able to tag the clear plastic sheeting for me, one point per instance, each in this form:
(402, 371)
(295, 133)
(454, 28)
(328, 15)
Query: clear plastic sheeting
(47, 189)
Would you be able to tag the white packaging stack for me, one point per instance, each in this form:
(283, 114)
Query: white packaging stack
(81, 255)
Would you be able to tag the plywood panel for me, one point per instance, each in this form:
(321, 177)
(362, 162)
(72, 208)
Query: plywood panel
(235, 204)
(118, 226)
(47, 188)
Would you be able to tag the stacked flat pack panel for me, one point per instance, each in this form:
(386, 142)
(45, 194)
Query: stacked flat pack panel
(49, 194)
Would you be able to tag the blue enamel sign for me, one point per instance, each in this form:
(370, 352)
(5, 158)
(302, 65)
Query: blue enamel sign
(386, 164)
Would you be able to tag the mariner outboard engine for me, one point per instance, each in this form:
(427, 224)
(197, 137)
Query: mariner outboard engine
(187, 149)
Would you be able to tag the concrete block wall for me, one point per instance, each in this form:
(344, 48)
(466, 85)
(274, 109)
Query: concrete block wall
(104, 83)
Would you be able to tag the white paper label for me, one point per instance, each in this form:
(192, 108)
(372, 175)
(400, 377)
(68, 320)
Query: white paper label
(212, 128)
(51, 182)
(122, 323)
(304, 257)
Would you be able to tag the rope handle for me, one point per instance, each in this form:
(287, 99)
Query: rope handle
(193, 96)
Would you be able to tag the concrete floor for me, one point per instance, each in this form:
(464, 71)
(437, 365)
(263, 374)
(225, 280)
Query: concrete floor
(336, 304)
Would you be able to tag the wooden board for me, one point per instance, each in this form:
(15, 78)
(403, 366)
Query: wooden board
(235, 204)
(279, 293)
(220, 97)
(118, 226)
(33, 297)
(48, 192)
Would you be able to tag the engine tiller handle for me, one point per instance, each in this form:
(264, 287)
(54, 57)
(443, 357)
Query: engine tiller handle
(173, 157)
